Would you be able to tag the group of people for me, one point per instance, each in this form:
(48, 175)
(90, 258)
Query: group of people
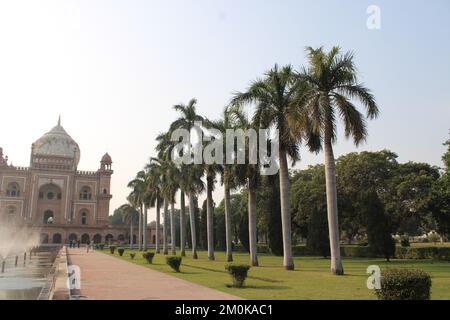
(76, 244)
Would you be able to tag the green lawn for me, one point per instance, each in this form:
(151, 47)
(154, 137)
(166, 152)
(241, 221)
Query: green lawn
(310, 280)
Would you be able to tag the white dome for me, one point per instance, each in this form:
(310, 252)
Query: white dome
(58, 143)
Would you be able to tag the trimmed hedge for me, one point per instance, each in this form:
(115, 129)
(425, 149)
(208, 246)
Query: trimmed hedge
(112, 249)
(174, 263)
(238, 273)
(148, 256)
(121, 251)
(420, 253)
(361, 251)
(404, 284)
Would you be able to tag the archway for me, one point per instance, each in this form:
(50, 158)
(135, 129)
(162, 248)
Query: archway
(121, 237)
(97, 238)
(48, 217)
(73, 237)
(84, 238)
(153, 239)
(109, 238)
(57, 238)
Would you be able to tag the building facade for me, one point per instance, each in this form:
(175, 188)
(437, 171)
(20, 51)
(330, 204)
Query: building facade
(55, 198)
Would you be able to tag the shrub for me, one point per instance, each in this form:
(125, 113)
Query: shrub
(101, 246)
(148, 256)
(421, 253)
(404, 241)
(433, 237)
(174, 263)
(112, 249)
(121, 251)
(132, 255)
(404, 284)
(238, 273)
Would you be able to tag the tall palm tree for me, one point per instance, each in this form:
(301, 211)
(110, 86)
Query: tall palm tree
(129, 215)
(184, 172)
(227, 121)
(187, 120)
(248, 175)
(154, 190)
(137, 197)
(140, 188)
(334, 86)
(275, 97)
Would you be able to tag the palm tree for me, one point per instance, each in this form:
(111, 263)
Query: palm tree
(139, 198)
(184, 171)
(248, 175)
(129, 215)
(187, 121)
(333, 85)
(275, 97)
(210, 171)
(154, 190)
(227, 121)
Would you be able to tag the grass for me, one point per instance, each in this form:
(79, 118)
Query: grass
(311, 278)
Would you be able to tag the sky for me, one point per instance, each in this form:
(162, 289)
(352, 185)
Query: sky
(114, 69)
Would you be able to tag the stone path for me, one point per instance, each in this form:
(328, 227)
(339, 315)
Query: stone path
(108, 278)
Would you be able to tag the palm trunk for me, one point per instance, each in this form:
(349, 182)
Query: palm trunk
(182, 227)
(144, 229)
(332, 209)
(158, 226)
(252, 225)
(285, 196)
(140, 230)
(192, 222)
(172, 228)
(209, 217)
(166, 208)
(228, 236)
(131, 232)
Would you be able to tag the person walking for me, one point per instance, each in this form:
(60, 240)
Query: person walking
(88, 244)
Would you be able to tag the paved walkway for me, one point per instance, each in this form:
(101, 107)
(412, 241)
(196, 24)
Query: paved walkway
(108, 278)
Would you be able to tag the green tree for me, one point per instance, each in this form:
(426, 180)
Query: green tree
(378, 228)
(333, 85)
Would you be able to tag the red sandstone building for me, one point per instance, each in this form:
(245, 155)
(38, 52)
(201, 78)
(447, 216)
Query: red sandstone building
(55, 198)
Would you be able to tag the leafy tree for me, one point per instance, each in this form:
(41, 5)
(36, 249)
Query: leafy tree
(409, 201)
(318, 241)
(441, 197)
(356, 172)
(378, 229)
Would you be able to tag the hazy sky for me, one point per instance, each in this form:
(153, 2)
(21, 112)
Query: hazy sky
(113, 69)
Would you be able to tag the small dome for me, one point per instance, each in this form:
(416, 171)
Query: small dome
(106, 159)
(58, 143)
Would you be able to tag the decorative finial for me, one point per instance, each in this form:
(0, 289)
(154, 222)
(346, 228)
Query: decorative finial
(59, 120)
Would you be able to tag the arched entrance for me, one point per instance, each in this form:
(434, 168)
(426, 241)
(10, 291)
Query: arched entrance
(121, 237)
(97, 238)
(73, 237)
(84, 238)
(109, 238)
(57, 238)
